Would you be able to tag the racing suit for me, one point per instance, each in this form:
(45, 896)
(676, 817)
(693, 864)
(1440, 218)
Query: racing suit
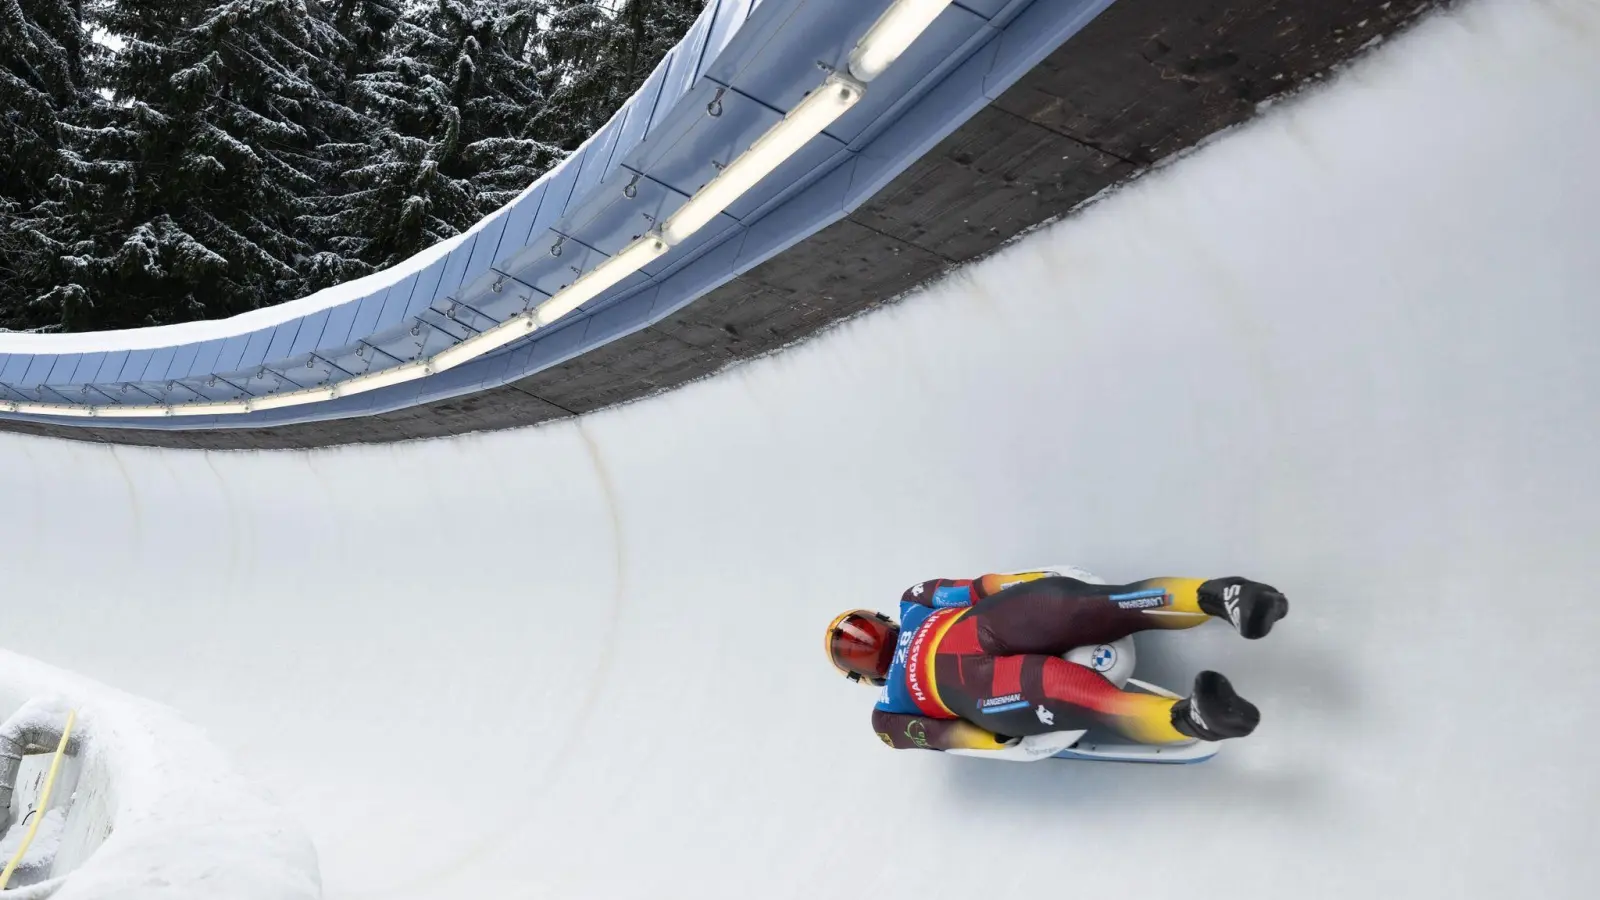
(977, 662)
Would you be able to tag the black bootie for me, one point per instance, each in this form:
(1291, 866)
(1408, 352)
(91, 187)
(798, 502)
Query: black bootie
(1214, 712)
(1251, 606)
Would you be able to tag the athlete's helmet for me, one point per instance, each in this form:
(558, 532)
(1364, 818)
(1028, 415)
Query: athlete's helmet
(861, 644)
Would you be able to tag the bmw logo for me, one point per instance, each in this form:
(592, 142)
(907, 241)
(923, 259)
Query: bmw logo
(1105, 656)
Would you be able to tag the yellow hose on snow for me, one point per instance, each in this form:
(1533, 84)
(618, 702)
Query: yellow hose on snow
(44, 802)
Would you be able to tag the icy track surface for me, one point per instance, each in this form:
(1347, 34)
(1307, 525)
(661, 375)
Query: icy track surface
(1349, 350)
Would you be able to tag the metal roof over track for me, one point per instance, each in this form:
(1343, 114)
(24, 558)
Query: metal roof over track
(862, 215)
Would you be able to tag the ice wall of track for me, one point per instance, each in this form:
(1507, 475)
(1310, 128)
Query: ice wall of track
(1348, 350)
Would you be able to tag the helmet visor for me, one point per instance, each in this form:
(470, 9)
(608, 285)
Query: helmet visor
(861, 645)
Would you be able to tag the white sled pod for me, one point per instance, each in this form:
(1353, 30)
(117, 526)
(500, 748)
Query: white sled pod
(1116, 661)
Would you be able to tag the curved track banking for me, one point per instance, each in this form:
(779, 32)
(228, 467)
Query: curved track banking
(1347, 349)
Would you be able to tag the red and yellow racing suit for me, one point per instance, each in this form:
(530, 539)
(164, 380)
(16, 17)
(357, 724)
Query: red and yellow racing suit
(978, 662)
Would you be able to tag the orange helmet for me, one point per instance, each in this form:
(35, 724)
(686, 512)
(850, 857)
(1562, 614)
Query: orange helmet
(861, 644)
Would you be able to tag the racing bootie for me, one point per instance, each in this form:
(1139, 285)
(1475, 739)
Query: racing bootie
(1251, 606)
(1213, 712)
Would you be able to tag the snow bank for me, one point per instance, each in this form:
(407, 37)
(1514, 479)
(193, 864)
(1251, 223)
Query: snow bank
(175, 819)
(46, 842)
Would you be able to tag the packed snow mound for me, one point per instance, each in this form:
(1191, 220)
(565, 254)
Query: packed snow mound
(178, 822)
(46, 841)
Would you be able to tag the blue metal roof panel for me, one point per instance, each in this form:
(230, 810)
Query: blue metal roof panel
(730, 17)
(791, 222)
(513, 298)
(775, 58)
(398, 343)
(61, 371)
(369, 308)
(478, 277)
(38, 369)
(624, 288)
(229, 359)
(520, 226)
(317, 370)
(685, 67)
(221, 390)
(813, 161)
(640, 114)
(132, 367)
(491, 372)
(259, 381)
(552, 347)
(398, 396)
(682, 285)
(336, 333)
(189, 390)
(88, 367)
(311, 328)
(548, 272)
(430, 282)
(450, 316)
(686, 147)
(716, 232)
(182, 365)
(611, 220)
(255, 351)
(449, 281)
(397, 334)
(620, 319)
(156, 368)
(597, 162)
(205, 360)
(987, 8)
(440, 337)
(559, 194)
(352, 360)
(111, 368)
(282, 339)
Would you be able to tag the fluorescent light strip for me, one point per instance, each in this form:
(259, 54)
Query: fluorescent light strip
(601, 278)
(487, 342)
(53, 409)
(897, 29)
(821, 108)
(225, 407)
(383, 378)
(291, 398)
(132, 412)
